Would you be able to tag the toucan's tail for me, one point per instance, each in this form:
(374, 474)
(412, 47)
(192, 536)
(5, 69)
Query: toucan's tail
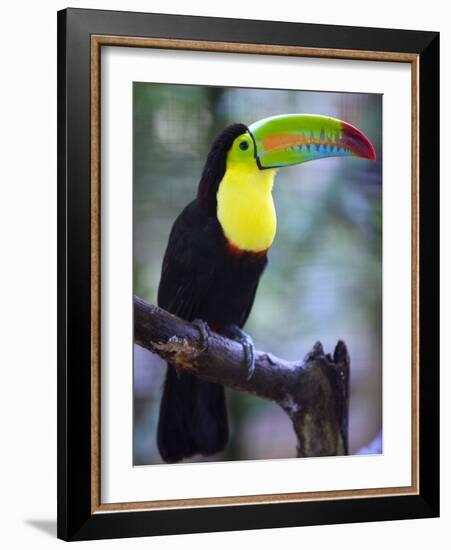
(193, 417)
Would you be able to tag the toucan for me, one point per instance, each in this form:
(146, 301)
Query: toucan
(217, 251)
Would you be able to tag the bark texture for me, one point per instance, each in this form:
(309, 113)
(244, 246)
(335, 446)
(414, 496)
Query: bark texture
(313, 391)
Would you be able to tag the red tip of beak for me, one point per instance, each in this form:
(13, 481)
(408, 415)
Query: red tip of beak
(357, 142)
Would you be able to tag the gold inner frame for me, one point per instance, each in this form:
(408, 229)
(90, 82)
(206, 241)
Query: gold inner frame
(97, 41)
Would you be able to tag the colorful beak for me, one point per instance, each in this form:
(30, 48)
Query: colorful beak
(286, 140)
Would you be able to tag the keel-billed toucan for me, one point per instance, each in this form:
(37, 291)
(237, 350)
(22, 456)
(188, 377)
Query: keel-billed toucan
(217, 251)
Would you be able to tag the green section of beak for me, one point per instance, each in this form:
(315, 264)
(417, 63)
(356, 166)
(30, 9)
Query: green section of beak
(285, 140)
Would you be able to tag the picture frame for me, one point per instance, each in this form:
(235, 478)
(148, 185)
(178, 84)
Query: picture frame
(81, 36)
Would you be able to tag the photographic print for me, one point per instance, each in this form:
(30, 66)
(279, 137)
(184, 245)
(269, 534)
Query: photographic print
(247, 224)
(257, 215)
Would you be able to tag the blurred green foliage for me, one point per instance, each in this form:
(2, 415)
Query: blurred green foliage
(324, 279)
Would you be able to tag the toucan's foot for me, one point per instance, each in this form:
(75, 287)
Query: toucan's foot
(234, 332)
(204, 331)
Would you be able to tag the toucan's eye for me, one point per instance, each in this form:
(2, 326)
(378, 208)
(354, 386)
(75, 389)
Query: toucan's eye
(244, 145)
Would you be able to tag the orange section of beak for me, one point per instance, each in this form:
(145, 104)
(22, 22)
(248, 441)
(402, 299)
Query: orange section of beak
(352, 140)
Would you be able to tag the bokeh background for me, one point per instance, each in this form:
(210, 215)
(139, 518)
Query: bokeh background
(324, 279)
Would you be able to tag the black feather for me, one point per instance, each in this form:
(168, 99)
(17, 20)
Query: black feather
(215, 166)
(193, 417)
(202, 279)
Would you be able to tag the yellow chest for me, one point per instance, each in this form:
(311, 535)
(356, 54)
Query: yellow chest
(245, 207)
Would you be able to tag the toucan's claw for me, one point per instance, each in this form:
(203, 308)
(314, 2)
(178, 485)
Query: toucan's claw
(204, 331)
(234, 332)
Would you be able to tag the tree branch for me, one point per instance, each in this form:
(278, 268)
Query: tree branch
(313, 392)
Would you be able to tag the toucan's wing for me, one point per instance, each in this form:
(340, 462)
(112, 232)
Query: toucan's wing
(193, 417)
(250, 303)
(188, 270)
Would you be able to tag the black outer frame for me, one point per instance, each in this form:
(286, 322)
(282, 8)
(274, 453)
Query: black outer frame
(75, 520)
